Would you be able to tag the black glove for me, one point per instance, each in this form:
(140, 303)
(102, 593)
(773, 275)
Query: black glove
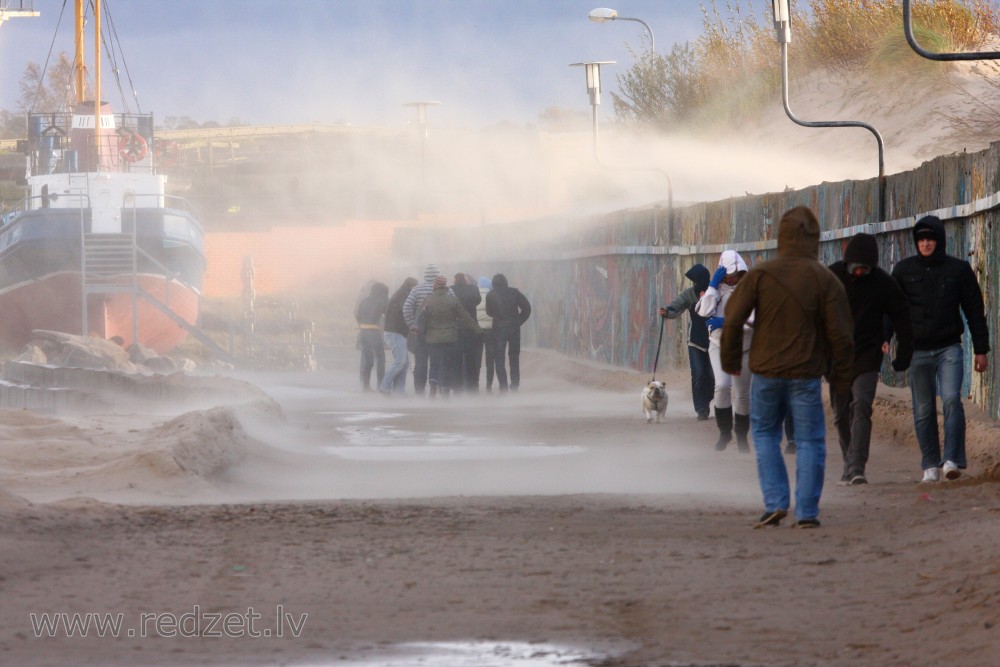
(899, 366)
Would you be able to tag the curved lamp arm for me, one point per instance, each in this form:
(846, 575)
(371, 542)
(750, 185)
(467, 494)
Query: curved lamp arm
(930, 55)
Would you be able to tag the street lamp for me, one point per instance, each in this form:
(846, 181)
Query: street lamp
(422, 122)
(603, 15)
(593, 71)
(782, 21)
(931, 55)
(783, 31)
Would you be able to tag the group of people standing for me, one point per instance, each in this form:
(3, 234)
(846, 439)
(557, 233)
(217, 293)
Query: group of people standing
(449, 330)
(789, 322)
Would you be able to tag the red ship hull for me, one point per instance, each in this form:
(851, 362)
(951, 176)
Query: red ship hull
(53, 303)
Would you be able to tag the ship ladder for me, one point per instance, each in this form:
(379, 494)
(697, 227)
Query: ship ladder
(110, 266)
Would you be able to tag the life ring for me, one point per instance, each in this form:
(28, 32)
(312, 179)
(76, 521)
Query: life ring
(132, 147)
(166, 153)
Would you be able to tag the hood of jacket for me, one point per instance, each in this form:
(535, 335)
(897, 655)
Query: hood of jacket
(934, 224)
(431, 272)
(862, 249)
(798, 234)
(732, 261)
(698, 274)
(500, 280)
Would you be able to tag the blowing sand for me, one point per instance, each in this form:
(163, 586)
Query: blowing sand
(550, 527)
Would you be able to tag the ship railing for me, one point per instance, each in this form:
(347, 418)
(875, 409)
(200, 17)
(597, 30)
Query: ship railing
(162, 201)
(158, 200)
(127, 145)
(44, 201)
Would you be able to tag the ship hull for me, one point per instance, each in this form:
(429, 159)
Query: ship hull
(54, 303)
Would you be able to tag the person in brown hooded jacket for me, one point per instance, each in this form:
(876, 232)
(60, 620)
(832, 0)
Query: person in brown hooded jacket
(803, 332)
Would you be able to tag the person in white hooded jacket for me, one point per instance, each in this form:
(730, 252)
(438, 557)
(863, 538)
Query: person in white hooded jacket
(732, 392)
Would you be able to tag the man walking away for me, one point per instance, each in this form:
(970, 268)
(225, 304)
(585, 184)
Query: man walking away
(940, 289)
(873, 295)
(470, 344)
(416, 342)
(369, 316)
(702, 378)
(803, 330)
(396, 332)
(509, 310)
(486, 324)
(444, 316)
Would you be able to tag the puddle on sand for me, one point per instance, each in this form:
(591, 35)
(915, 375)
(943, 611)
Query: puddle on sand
(471, 654)
(379, 443)
(362, 416)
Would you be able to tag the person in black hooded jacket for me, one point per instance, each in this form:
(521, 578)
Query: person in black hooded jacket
(873, 295)
(509, 310)
(369, 316)
(702, 377)
(941, 289)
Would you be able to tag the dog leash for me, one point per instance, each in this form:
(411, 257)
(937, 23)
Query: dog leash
(659, 340)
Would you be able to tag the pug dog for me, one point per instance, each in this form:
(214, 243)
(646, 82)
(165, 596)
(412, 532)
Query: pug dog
(654, 401)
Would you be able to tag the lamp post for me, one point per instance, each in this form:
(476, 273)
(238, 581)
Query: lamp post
(593, 71)
(783, 33)
(422, 122)
(931, 55)
(603, 15)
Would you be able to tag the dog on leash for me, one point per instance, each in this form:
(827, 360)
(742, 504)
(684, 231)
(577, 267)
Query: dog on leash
(654, 401)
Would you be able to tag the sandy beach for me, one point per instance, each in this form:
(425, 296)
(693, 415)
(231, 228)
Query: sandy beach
(318, 525)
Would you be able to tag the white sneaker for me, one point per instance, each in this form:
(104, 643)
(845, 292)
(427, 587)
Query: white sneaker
(951, 470)
(931, 475)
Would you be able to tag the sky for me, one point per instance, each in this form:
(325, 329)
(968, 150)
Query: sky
(356, 61)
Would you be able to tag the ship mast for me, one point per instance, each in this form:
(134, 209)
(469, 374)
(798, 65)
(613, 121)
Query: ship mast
(97, 78)
(80, 69)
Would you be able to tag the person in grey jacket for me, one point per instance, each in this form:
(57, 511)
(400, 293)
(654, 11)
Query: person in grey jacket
(509, 310)
(702, 377)
(416, 343)
(443, 316)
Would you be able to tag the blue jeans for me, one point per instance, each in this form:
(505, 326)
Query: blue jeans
(372, 354)
(771, 399)
(394, 380)
(933, 373)
(702, 379)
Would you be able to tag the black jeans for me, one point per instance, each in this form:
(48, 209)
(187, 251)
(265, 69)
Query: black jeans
(508, 340)
(418, 346)
(442, 365)
(702, 379)
(470, 357)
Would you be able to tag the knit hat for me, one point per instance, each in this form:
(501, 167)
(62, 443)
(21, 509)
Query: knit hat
(440, 281)
(431, 272)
